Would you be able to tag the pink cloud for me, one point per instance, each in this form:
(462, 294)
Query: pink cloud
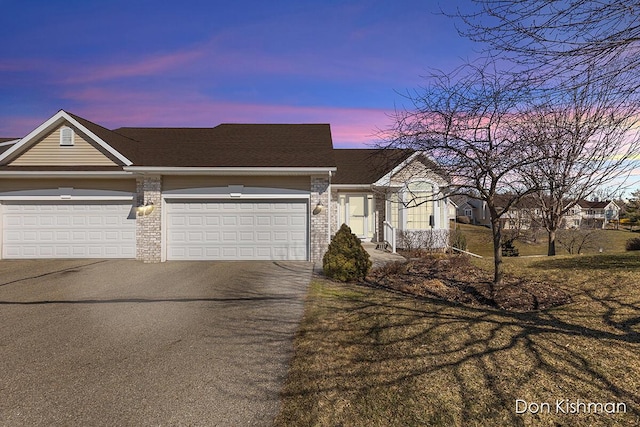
(145, 67)
(351, 127)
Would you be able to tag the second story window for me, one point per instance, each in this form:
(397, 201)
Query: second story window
(66, 136)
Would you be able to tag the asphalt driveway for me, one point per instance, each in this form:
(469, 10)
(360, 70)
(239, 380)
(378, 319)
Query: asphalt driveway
(93, 342)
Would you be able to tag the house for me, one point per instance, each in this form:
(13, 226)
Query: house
(74, 189)
(527, 213)
(392, 195)
(474, 210)
(594, 214)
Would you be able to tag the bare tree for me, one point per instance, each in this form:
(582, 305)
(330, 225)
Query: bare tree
(587, 138)
(468, 122)
(560, 37)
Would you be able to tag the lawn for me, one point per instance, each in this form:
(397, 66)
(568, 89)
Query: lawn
(479, 242)
(367, 356)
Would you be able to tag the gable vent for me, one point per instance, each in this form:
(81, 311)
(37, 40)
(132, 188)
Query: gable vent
(66, 136)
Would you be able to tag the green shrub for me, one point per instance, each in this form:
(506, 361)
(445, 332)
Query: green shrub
(508, 249)
(633, 244)
(346, 259)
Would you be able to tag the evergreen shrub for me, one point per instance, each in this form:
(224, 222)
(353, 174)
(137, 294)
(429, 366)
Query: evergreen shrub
(633, 244)
(346, 259)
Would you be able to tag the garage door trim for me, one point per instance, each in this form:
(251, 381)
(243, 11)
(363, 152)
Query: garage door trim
(292, 195)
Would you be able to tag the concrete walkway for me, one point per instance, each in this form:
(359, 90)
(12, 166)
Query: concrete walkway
(380, 257)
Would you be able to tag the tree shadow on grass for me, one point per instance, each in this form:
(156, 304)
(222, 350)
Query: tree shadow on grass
(378, 356)
(629, 261)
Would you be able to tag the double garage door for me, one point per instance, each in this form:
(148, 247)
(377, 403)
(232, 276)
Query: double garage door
(196, 230)
(237, 230)
(68, 230)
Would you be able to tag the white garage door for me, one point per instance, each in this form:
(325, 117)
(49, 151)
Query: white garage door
(68, 230)
(230, 230)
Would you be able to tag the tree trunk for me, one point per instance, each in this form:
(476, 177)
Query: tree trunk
(551, 251)
(496, 230)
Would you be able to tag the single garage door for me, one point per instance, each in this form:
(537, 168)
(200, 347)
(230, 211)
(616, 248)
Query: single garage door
(68, 230)
(237, 230)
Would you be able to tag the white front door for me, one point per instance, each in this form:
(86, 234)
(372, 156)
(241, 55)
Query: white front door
(357, 212)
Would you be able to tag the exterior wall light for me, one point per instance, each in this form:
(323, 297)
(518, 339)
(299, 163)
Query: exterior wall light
(145, 209)
(318, 209)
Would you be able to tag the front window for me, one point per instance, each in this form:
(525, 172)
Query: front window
(392, 211)
(419, 199)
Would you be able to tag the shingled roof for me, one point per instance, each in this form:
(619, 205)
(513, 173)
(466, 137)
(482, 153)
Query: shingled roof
(366, 166)
(234, 145)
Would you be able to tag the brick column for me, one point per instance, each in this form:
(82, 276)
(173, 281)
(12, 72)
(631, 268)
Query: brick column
(149, 227)
(335, 207)
(319, 222)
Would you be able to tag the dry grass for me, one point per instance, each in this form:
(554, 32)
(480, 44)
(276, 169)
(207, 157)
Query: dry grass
(373, 357)
(479, 241)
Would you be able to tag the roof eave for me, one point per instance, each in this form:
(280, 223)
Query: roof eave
(64, 174)
(176, 170)
(49, 125)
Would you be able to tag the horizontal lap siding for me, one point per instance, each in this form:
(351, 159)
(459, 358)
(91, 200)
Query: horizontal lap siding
(287, 182)
(48, 152)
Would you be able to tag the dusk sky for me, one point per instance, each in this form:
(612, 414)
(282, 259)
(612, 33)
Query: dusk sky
(201, 63)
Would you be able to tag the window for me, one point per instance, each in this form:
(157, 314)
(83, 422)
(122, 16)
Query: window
(419, 196)
(66, 136)
(468, 212)
(392, 211)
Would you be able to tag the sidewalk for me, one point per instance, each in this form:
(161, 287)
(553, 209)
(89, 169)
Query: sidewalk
(380, 257)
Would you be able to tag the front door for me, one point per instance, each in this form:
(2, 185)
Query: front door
(357, 215)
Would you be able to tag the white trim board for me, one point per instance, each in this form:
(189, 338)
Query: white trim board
(52, 123)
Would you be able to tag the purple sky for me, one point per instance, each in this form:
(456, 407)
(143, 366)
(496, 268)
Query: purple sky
(201, 63)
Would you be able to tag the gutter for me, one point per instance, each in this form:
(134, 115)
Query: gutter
(164, 170)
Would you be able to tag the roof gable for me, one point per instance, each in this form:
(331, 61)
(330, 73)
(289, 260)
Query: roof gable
(47, 151)
(366, 166)
(416, 166)
(91, 151)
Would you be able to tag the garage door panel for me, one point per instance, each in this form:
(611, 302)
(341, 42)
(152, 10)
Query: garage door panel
(258, 230)
(68, 230)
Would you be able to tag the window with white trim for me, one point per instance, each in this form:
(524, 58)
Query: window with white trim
(419, 198)
(66, 136)
(393, 205)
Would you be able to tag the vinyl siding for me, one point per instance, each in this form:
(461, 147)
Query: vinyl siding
(48, 152)
(16, 184)
(182, 182)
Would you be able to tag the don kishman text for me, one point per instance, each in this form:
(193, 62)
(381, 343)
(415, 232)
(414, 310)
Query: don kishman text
(569, 406)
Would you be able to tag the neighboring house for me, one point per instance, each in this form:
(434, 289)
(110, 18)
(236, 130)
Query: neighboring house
(473, 209)
(527, 214)
(74, 189)
(595, 214)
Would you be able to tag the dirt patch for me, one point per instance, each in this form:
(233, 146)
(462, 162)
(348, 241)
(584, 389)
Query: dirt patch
(456, 279)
